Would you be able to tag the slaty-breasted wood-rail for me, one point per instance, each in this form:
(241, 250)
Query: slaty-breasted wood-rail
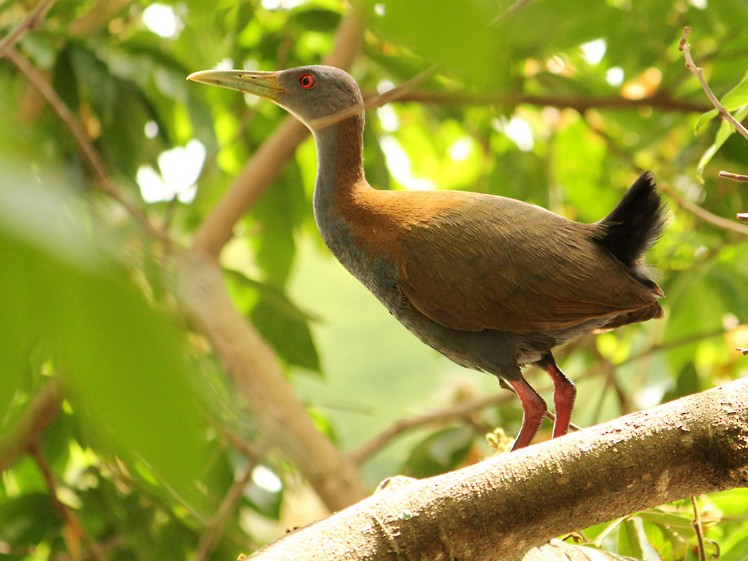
(491, 282)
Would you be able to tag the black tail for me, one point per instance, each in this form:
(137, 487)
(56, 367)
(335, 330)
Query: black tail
(635, 223)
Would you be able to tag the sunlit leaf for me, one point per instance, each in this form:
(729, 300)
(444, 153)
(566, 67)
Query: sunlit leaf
(723, 133)
(629, 540)
(738, 96)
(466, 46)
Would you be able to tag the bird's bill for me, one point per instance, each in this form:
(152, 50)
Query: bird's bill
(263, 84)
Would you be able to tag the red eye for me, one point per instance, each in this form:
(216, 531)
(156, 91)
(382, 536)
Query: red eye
(306, 81)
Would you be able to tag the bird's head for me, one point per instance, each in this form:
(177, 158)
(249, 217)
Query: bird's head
(316, 95)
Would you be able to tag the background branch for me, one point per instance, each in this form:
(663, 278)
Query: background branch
(281, 420)
(580, 104)
(704, 214)
(33, 19)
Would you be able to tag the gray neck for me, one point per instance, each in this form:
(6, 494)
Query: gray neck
(339, 166)
(339, 175)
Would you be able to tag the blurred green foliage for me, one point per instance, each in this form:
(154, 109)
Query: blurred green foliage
(556, 103)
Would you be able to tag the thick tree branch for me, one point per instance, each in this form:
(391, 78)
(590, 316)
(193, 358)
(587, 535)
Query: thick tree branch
(506, 505)
(267, 163)
(280, 419)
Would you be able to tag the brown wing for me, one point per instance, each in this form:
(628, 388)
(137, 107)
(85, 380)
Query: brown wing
(497, 263)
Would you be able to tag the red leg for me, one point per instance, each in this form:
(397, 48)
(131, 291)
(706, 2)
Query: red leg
(533, 408)
(564, 394)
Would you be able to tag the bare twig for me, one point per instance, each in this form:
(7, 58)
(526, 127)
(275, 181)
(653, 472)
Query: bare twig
(696, 71)
(89, 152)
(734, 176)
(459, 411)
(705, 215)
(518, 5)
(74, 534)
(212, 534)
(280, 419)
(34, 18)
(698, 528)
(39, 414)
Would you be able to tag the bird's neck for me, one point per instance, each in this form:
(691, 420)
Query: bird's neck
(340, 168)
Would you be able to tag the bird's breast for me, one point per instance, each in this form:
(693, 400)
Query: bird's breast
(365, 228)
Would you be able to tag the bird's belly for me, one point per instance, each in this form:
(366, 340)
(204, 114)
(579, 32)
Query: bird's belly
(488, 350)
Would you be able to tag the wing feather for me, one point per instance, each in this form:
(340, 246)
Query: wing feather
(497, 263)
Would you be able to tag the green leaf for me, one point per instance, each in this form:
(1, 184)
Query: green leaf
(667, 519)
(723, 133)
(439, 452)
(122, 359)
(687, 383)
(737, 96)
(629, 543)
(669, 544)
(278, 319)
(465, 45)
(705, 118)
(28, 519)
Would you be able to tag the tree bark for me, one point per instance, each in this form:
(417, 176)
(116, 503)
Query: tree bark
(509, 504)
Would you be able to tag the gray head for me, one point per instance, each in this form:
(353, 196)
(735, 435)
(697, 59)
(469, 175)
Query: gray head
(317, 95)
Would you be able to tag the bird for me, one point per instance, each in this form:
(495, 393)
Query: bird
(491, 282)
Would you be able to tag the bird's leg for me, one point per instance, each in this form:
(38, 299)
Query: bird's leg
(533, 408)
(564, 394)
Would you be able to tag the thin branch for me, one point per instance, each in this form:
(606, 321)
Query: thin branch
(35, 17)
(579, 104)
(696, 71)
(374, 101)
(734, 176)
(704, 214)
(510, 10)
(214, 530)
(459, 411)
(90, 155)
(698, 528)
(282, 423)
(39, 414)
(75, 532)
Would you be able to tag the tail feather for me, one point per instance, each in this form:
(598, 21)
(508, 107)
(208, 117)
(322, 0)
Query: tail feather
(636, 222)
